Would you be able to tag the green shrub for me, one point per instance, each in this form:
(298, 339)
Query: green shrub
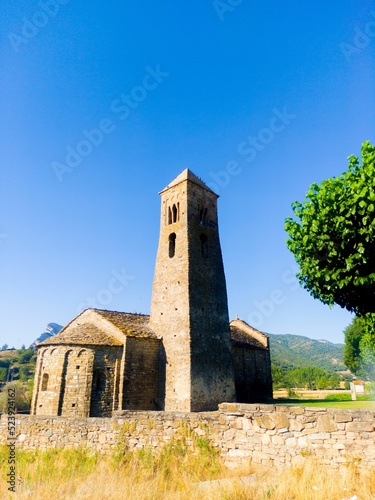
(338, 397)
(366, 397)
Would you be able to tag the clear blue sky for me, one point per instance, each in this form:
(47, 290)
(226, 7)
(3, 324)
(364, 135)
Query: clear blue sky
(259, 99)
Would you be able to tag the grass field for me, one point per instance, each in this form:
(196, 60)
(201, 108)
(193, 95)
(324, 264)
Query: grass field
(174, 473)
(327, 404)
(317, 398)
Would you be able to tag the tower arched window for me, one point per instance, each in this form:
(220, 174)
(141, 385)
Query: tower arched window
(202, 216)
(174, 213)
(45, 381)
(172, 244)
(169, 215)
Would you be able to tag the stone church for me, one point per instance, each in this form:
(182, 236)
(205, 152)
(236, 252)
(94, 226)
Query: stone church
(184, 356)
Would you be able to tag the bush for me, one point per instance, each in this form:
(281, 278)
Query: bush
(338, 397)
(370, 387)
(366, 397)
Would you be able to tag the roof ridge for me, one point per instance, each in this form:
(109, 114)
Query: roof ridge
(116, 312)
(187, 175)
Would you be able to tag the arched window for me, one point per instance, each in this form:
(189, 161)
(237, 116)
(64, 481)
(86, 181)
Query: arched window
(172, 244)
(174, 213)
(204, 245)
(202, 216)
(169, 215)
(45, 381)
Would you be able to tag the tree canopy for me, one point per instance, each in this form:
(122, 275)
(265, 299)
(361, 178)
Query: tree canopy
(359, 351)
(333, 236)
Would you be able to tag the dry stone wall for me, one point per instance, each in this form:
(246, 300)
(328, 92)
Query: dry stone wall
(278, 436)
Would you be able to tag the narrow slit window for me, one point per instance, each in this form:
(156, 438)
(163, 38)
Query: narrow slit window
(45, 381)
(174, 213)
(172, 244)
(169, 215)
(99, 382)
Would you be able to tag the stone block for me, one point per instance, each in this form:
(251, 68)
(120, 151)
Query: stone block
(266, 422)
(326, 424)
(295, 425)
(318, 436)
(343, 417)
(265, 439)
(278, 441)
(359, 427)
(281, 420)
(291, 442)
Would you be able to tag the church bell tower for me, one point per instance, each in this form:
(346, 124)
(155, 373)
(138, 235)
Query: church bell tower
(189, 309)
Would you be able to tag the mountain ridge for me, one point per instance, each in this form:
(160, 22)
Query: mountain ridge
(51, 330)
(293, 351)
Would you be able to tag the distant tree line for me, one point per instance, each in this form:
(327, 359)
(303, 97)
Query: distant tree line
(305, 377)
(18, 366)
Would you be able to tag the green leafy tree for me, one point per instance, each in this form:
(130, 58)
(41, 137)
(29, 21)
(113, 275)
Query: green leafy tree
(359, 351)
(333, 238)
(352, 354)
(323, 382)
(278, 377)
(3, 374)
(312, 377)
(26, 355)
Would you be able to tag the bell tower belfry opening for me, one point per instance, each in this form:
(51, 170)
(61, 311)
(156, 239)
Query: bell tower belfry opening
(189, 309)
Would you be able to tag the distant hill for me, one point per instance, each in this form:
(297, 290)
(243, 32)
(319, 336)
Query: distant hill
(19, 364)
(289, 351)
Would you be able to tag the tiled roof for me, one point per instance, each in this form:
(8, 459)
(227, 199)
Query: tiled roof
(243, 333)
(87, 332)
(132, 325)
(244, 338)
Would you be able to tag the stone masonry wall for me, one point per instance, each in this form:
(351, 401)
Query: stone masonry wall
(142, 359)
(272, 435)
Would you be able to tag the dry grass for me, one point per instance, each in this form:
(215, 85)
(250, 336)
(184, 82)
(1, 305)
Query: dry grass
(309, 394)
(173, 473)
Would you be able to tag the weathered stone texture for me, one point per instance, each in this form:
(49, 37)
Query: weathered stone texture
(189, 301)
(241, 433)
(141, 372)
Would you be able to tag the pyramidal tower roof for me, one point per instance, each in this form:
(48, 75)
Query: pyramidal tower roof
(187, 175)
